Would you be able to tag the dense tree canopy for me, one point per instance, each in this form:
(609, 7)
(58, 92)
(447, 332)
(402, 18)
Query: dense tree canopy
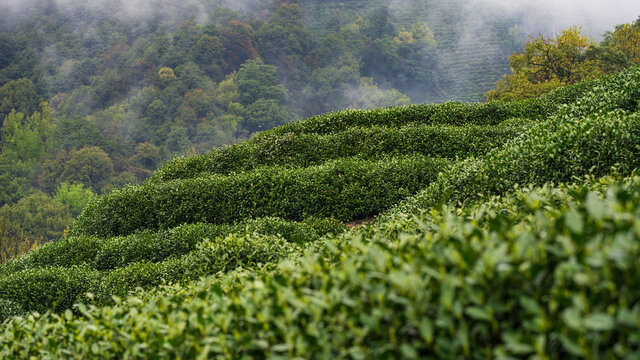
(550, 62)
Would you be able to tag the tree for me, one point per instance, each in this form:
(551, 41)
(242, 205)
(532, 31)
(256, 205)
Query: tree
(626, 38)
(380, 23)
(13, 241)
(15, 175)
(20, 95)
(187, 36)
(50, 174)
(545, 64)
(74, 132)
(256, 81)
(147, 156)
(328, 87)
(90, 166)
(227, 92)
(75, 196)
(178, 141)
(196, 106)
(284, 35)
(30, 137)
(208, 53)
(368, 96)
(39, 217)
(239, 44)
(264, 114)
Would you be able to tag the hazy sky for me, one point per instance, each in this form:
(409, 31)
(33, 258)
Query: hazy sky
(596, 16)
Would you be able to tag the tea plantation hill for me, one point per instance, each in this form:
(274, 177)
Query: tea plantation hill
(473, 41)
(503, 230)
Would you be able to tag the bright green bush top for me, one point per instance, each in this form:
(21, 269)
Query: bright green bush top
(344, 189)
(366, 143)
(560, 283)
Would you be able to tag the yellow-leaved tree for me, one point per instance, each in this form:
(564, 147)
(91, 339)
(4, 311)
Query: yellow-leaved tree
(626, 39)
(547, 63)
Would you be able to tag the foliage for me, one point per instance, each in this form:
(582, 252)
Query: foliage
(13, 240)
(547, 63)
(589, 137)
(257, 81)
(29, 137)
(474, 260)
(40, 217)
(90, 166)
(43, 289)
(516, 297)
(18, 95)
(626, 39)
(210, 257)
(15, 175)
(344, 189)
(269, 149)
(76, 196)
(9, 309)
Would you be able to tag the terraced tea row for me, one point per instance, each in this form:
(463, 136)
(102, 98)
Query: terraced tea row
(467, 290)
(344, 189)
(106, 254)
(367, 143)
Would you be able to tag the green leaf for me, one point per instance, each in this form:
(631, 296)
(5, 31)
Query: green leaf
(478, 313)
(572, 318)
(426, 330)
(599, 322)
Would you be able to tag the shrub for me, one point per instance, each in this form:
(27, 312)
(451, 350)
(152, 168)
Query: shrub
(343, 189)
(8, 309)
(65, 252)
(288, 230)
(367, 143)
(154, 247)
(326, 226)
(211, 256)
(120, 281)
(48, 288)
(561, 283)
(557, 150)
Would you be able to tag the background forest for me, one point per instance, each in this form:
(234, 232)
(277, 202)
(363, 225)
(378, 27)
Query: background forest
(96, 95)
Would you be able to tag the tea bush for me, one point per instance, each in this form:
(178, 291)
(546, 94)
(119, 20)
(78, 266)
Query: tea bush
(557, 150)
(65, 252)
(9, 309)
(210, 257)
(343, 189)
(154, 247)
(561, 283)
(448, 113)
(367, 143)
(48, 288)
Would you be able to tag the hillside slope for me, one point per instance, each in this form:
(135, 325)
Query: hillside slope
(505, 230)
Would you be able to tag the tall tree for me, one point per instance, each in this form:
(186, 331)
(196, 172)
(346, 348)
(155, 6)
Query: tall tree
(90, 166)
(20, 95)
(284, 35)
(239, 43)
(626, 38)
(256, 81)
(546, 63)
(30, 137)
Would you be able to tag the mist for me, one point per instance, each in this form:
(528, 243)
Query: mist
(552, 16)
